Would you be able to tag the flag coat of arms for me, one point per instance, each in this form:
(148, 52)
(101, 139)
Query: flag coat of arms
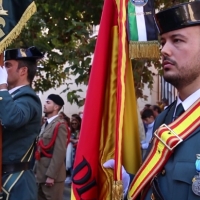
(110, 126)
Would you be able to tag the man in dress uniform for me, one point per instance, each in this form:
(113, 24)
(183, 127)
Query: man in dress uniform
(50, 165)
(20, 116)
(173, 164)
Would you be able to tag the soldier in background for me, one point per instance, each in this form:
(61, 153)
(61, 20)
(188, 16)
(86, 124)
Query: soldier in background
(50, 166)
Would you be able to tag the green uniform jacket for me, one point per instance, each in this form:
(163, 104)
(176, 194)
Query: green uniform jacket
(20, 115)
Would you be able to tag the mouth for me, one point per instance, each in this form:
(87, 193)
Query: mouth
(167, 65)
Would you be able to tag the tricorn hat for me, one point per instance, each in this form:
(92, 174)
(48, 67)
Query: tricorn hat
(179, 16)
(23, 54)
(56, 99)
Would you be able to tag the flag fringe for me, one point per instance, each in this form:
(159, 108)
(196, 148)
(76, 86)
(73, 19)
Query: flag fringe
(31, 9)
(144, 50)
(117, 190)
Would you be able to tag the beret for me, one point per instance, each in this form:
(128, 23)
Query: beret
(56, 99)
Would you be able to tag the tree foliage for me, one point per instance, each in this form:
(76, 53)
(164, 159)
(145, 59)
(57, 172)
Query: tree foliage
(61, 29)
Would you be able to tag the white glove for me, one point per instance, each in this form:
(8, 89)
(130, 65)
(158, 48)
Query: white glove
(3, 75)
(125, 176)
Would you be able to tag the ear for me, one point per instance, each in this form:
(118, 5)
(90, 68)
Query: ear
(23, 71)
(56, 107)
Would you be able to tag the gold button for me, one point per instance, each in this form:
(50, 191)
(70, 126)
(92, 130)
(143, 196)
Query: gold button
(163, 172)
(1, 98)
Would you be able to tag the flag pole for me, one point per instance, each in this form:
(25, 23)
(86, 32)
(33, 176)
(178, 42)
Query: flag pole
(1, 136)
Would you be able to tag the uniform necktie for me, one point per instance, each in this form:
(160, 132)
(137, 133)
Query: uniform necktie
(46, 124)
(179, 111)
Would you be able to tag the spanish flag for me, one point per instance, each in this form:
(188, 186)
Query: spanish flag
(110, 126)
(14, 15)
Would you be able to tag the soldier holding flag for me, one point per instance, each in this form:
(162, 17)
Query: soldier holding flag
(20, 114)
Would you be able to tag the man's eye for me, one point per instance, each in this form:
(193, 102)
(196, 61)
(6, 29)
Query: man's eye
(177, 40)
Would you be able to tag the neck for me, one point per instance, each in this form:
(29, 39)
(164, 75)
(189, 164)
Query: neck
(49, 115)
(19, 83)
(186, 91)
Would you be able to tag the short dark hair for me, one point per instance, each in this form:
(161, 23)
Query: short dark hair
(147, 113)
(156, 107)
(32, 68)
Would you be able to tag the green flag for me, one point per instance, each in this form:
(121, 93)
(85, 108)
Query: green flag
(13, 16)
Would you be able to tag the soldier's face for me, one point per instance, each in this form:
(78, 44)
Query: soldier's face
(49, 106)
(13, 73)
(181, 56)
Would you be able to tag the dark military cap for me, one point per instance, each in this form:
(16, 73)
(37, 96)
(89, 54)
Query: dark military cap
(179, 16)
(31, 53)
(56, 99)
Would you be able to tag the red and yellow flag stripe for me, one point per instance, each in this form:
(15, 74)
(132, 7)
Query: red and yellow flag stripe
(122, 62)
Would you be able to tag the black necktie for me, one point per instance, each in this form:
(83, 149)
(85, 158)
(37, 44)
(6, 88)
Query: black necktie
(179, 111)
(46, 124)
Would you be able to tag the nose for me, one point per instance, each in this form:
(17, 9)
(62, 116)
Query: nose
(166, 49)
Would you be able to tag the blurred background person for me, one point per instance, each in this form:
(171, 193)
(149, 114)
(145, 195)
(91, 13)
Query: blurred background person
(148, 119)
(71, 147)
(156, 110)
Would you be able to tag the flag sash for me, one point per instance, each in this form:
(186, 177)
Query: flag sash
(169, 137)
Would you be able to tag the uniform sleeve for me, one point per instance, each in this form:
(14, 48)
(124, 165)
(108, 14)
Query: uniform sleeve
(59, 152)
(15, 113)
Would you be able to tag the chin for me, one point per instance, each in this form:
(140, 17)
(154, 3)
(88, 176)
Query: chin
(172, 80)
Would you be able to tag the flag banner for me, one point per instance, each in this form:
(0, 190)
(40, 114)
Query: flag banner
(13, 16)
(109, 126)
(142, 30)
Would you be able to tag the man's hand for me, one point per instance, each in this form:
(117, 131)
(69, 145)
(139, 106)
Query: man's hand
(125, 176)
(49, 182)
(3, 75)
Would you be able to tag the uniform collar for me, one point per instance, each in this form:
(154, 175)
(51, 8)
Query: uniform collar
(189, 100)
(51, 119)
(14, 89)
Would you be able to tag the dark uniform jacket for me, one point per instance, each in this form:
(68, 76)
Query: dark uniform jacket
(20, 115)
(176, 182)
(53, 167)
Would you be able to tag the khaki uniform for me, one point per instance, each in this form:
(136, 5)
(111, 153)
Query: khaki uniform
(52, 167)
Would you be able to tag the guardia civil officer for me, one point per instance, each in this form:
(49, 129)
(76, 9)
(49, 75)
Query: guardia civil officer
(20, 115)
(50, 156)
(171, 171)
